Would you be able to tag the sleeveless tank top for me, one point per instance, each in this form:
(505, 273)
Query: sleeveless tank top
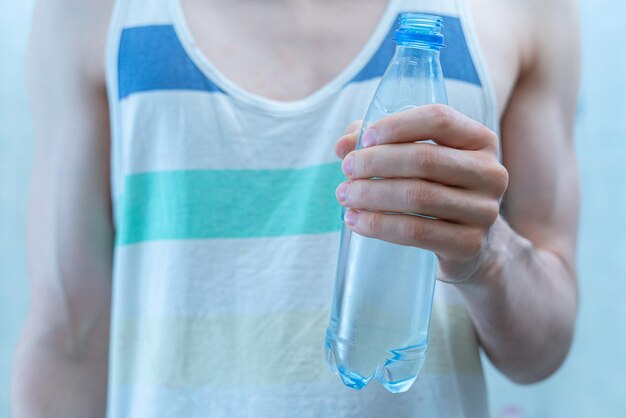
(227, 230)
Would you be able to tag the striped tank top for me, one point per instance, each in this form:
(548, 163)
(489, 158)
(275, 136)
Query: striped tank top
(227, 231)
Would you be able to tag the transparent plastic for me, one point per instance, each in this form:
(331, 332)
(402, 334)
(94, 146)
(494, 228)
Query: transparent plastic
(383, 293)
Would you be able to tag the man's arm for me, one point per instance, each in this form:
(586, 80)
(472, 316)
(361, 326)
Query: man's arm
(516, 271)
(525, 298)
(62, 358)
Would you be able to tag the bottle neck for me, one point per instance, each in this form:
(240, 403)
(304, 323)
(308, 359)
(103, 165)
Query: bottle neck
(412, 63)
(417, 48)
(415, 53)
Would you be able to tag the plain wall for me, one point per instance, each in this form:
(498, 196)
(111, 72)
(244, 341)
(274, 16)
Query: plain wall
(15, 160)
(592, 383)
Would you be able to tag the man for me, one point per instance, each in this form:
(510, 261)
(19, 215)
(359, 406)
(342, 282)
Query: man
(224, 251)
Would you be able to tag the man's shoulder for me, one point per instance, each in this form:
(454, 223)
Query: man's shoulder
(546, 15)
(538, 27)
(73, 32)
(74, 13)
(554, 24)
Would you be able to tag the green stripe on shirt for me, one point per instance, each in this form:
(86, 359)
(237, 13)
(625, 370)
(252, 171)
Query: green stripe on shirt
(196, 204)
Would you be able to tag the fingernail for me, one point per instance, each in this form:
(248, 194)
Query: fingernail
(351, 217)
(370, 137)
(342, 192)
(346, 166)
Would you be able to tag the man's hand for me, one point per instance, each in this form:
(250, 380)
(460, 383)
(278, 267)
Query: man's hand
(457, 183)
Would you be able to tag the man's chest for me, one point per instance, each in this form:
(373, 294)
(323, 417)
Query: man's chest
(282, 50)
(286, 51)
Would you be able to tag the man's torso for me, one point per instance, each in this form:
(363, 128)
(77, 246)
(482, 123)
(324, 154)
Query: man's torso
(306, 47)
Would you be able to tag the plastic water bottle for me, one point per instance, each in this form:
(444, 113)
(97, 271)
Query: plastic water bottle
(383, 292)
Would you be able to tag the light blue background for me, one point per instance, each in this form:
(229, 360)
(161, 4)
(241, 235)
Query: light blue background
(592, 383)
(15, 160)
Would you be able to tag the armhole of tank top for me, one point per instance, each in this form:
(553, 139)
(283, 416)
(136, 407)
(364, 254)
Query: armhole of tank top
(111, 73)
(474, 46)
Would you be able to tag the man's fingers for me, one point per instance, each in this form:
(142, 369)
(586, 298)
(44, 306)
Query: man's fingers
(421, 197)
(471, 170)
(448, 240)
(440, 123)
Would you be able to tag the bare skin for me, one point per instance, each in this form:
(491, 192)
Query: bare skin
(62, 359)
(516, 255)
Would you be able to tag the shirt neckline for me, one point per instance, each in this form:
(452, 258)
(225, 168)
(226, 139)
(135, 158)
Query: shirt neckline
(285, 107)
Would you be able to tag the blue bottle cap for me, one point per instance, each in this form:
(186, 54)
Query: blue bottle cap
(420, 29)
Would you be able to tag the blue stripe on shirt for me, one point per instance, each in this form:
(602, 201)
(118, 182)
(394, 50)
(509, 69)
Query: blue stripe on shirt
(153, 58)
(456, 60)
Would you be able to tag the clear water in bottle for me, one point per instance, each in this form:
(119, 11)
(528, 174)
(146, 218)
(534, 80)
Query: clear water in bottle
(383, 292)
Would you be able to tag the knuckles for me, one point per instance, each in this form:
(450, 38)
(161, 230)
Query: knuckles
(503, 177)
(490, 137)
(494, 176)
(421, 197)
(414, 195)
(412, 232)
(491, 212)
(424, 158)
(442, 116)
(498, 176)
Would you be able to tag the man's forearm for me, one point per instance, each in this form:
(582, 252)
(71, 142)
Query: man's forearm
(54, 378)
(523, 302)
